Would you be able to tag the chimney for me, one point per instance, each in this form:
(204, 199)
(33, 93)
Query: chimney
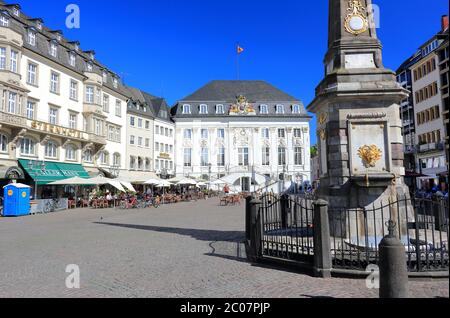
(444, 22)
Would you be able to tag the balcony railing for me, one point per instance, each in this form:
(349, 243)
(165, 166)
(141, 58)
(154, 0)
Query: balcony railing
(97, 139)
(12, 119)
(431, 147)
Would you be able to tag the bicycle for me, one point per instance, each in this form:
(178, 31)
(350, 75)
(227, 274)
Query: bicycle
(150, 202)
(51, 206)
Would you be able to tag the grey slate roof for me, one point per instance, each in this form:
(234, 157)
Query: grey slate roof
(152, 103)
(226, 92)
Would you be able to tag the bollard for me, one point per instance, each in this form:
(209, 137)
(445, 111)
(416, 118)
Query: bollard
(322, 243)
(393, 268)
(255, 231)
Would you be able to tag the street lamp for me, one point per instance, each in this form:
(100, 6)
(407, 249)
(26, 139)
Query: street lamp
(39, 169)
(209, 170)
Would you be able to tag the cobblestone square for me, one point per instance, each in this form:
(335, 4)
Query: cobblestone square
(184, 250)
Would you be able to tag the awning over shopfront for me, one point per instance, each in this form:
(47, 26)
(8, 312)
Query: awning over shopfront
(53, 171)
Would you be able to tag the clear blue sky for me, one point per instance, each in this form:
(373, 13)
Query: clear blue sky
(171, 48)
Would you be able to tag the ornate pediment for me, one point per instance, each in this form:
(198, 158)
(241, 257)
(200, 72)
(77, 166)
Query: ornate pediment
(242, 107)
(241, 137)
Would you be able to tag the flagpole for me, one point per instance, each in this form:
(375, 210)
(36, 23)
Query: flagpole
(237, 60)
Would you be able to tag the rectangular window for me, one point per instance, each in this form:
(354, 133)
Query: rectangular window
(280, 109)
(32, 74)
(14, 61)
(2, 58)
(264, 109)
(72, 121)
(204, 157)
(73, 90)
(139, 122)
(243, 157)
(4, 21)
(105, 103)
(265, 133)
(140, 141)
(221, 157)
(90, 94)
(98, 127)
(298, 157)
(186, 109)
(53, 116)
(221, 133)
(204, 133)
(147, 124)
(118, 108)
(54, 83)
(111, 133)
(31, 110)
(281, 156)
(281, 133)
(12, 103)
(187, 134)
(166, 132)
(147, 143)
(266, 156)
(297, 133)
(296, 109)
(53, 49)
(188, 157)
(132, 121)
(220, 109)
(118, 139)
(131, 140)
(72, 59)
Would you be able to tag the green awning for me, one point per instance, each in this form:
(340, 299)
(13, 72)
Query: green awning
(54, 171)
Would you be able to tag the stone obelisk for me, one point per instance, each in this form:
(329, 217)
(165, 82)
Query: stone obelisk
(357, 105)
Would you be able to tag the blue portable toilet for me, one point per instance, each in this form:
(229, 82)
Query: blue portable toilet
(16, 200)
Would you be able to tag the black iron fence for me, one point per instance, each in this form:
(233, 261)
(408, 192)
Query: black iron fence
(287, 227)
(421, 224)
(294, 229)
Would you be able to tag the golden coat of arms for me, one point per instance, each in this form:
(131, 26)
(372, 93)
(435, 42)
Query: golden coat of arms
(370, 155)
(242, 107)
(356, 21)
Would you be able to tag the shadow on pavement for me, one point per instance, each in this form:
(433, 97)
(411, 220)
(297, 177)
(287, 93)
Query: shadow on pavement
(201, 235)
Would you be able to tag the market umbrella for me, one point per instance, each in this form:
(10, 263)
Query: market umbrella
(153, 181)
(73, 181)
(164, 184)
(187, 182)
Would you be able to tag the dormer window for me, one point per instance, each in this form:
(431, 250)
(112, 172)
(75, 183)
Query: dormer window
(53, 49)
(296, 109)
(264, 109)
(89, 66)
(16, 12)
(203, 109)
(163, 113)
(39, 25)
(115, 82)
(186, 109)
(280, 109)
(220, 109)
(58, 37)
(76, 47)
(4, 20)
(72, 59)
(31, 37)
(105, 77)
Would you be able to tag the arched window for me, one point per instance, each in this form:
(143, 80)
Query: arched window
(51, 149)
(71, 152)
(88, 156)
(27, 146)
(3, 143)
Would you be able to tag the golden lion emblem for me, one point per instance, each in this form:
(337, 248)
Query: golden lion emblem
(370, 155)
